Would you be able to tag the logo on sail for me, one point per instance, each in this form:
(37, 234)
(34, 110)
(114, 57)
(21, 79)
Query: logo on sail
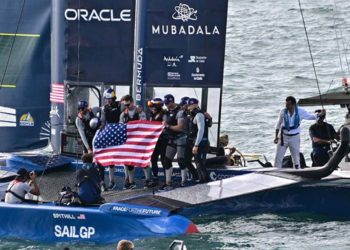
(26, 120)
(198, 76)
(172, 61)
(184, 12)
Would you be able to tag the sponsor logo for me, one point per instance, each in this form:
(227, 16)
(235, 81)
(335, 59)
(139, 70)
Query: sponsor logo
(172, 61)
(104, 15)
(197, 59)
(184, 13)
(145, 211)
(198, 76)
(26, 120)
(74, 232)
(139, 69)
(213, 176)
(184, 30)
(63, 216)
(173, 76)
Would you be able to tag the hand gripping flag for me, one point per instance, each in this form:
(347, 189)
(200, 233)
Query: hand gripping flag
(126, 144)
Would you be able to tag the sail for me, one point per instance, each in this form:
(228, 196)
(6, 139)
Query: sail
(93, 44)
(24, 74)
(179, 44)
(180, 49)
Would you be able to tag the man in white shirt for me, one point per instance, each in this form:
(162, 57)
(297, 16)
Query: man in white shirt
(288, 131)
(18, 188)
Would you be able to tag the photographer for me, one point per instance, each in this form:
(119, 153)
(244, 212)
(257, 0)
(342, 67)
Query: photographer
(19, 187)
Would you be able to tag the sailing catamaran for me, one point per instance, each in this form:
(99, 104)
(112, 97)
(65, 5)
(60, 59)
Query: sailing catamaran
(147, 48)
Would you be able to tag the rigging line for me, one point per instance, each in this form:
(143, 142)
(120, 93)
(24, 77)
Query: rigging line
(312, 58)
(13, 43)
(78, 75)
(338, 46)
(313, 63)
(344, 46)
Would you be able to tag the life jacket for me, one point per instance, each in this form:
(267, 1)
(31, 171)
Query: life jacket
(296, 119)
(171, 116)
(23, 199)
(171, 120)
(89, 132)
(157, 116)
(128, 118)
(193, 128)
(112, 112)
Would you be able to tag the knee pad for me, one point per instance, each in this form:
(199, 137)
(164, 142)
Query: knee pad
(167, 163)
(182, 163)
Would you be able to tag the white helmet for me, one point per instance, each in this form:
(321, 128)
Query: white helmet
(94, 123)
(109, 94)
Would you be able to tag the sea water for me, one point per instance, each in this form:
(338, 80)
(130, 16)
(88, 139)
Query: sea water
(267, 59)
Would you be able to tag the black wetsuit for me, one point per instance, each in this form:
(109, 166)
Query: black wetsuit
(88, 131)
(112, 112)
(159, 150)
(203, 146)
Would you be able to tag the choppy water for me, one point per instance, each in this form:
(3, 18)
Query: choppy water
(266, 60)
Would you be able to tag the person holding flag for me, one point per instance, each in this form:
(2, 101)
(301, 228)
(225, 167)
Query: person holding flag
(132, 113)
(157, 114)
(130, 143)
(111, 112)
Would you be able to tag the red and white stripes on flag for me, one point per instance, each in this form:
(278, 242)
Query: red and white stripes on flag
(136, 150)
(57, 93)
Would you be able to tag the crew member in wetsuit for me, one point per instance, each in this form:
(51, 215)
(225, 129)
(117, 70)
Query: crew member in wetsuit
(110, 114)
(198, 137)
(157, 114)
(132, 113)
(82, 122)
(322, 135)
(175, 131)
(188, 149)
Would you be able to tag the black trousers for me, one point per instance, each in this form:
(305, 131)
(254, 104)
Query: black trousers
(188, 161)
(319, 156)
(159, 151)
(200, 159)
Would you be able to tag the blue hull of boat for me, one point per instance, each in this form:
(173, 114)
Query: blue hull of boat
(105, 224)
(327, 197)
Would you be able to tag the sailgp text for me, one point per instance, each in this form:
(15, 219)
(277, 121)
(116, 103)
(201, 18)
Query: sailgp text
(74, 232)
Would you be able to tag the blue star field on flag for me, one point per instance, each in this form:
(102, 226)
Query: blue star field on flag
(114, 134)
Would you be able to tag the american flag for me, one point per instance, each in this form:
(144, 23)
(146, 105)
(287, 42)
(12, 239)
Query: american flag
(126, 144)
(81, 217)
(57, 93)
